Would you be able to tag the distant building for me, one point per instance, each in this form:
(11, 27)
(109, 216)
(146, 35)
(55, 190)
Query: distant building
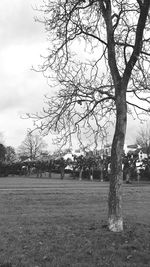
(142, 155)
(78, 152)
(135, 149)
(107, 150)
(103, 152)
(45, 155)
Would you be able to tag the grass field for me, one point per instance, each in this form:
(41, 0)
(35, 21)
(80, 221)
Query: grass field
(54, 223)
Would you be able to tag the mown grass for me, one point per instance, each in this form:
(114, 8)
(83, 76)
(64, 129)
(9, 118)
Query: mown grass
(46, 223)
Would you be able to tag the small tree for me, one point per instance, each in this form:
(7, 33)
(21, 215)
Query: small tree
(2, 152)
(2, 147)
(111, 80)
(32, 146)
(10, 154)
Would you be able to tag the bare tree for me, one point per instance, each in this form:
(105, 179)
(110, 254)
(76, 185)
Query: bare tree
(110, 79)
(32, 146)
(2, 152)
(143, 139)
(10, 154)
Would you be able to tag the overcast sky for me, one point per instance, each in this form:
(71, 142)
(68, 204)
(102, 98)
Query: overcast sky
(21, 43)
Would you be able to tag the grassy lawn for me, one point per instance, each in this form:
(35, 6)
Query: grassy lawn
(46, 223)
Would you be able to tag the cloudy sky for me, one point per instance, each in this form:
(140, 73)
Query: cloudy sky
(21, 43)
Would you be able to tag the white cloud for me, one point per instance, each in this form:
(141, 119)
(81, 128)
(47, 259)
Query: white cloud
(22, 90)
(17, 22)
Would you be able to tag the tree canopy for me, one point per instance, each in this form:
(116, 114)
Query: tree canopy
(99, 56)
(2, 152)
(92, 45)
(31, 147)
(10, 154)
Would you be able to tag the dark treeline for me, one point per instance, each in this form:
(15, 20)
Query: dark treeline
(81, 167)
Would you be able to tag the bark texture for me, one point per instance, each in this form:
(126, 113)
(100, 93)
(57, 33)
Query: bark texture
(115, 219)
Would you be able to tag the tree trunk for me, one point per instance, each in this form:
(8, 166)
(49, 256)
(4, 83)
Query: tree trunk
(115, 220)
(80, 174)
(91, 173)
(62, 172)
(102, 172)
(50, 174)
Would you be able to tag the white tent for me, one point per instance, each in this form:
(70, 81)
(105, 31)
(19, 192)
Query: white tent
(68, 156)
